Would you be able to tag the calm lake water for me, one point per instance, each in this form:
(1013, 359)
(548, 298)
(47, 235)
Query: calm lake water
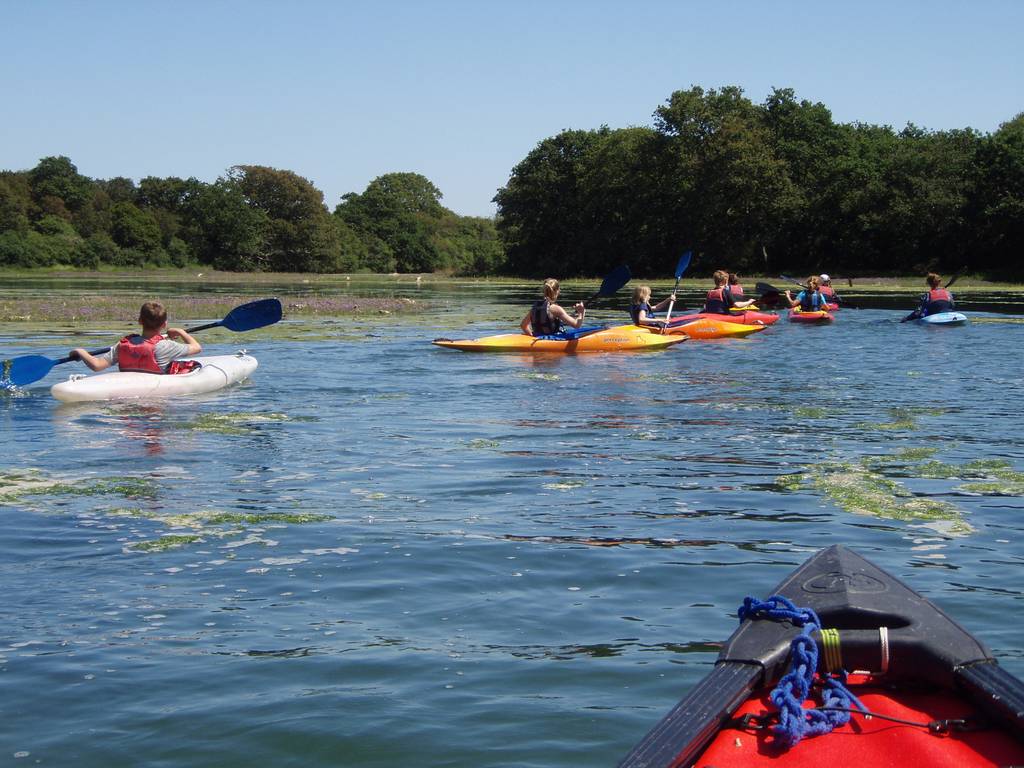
(381, 553)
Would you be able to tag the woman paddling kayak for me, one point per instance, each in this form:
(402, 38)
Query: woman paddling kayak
(546, 318)
(150, 351)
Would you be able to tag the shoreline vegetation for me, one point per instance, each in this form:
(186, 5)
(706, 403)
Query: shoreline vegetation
(86, 308)
(312, 295)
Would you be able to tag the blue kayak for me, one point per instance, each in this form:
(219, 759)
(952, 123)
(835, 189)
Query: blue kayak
(943, 318)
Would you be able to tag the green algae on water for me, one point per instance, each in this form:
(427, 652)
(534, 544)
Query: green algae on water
(260, 518)
(481, 444)
(915, 454)
(861, 491)
(903, 419)
(791, 482)
(567, 485)
(15, 486)
(809, 412)
(237, 423)
(993, 488)
(164, 543)
(858, 487)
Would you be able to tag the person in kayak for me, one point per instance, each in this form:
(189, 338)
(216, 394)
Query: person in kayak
(720, 299)
(734, 286)
(810, 299)
(547, 318)
(640, 310)
(151, 351)
(828, 291)
(936, 301)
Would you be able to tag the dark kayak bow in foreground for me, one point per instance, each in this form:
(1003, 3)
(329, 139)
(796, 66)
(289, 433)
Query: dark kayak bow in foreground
(935, 694)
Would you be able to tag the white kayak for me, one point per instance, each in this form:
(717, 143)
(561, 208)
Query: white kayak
(943, 318)
(216, 372)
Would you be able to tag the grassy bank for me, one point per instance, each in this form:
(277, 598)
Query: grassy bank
(83, 297)
(89, 308)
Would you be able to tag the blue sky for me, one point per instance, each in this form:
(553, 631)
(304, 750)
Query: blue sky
(457, 90)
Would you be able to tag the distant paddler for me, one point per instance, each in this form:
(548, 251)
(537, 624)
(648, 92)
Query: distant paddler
(720, 299)
(936, 301)
(828, 291)
(810, 299)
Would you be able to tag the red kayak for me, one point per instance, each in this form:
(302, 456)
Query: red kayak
(818, 317)
(930, 694)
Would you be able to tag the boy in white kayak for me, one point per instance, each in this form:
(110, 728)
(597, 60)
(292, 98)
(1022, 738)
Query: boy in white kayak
(149, 351)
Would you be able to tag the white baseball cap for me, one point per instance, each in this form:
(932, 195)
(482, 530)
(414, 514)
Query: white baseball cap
(824, 277)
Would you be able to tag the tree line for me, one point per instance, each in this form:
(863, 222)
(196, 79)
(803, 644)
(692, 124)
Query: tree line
(763, 188)
(756, 188)
(253, 218)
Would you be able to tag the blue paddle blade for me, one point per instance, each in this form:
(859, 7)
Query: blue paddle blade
(24, 370)
(684, 262)
(255, 314)
(618, 278)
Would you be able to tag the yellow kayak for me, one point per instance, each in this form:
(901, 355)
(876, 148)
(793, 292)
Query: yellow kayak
(621, 338)
(712, 328)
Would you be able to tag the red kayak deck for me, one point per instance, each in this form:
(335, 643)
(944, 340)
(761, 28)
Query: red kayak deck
(871, 743)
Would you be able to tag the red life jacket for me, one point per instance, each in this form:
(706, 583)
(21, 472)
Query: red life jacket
(736, 290)
(826, 291)
(718, 301)
(139, 355)
(939, 294)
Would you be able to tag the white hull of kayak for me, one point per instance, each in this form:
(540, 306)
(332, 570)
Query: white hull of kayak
(943, 318)
(216, 373)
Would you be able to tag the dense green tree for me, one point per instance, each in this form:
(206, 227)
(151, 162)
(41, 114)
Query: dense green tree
(15, 202)
(223, 230)
(733, 187)
(541, 207)
(469, 245)
(999, 204)
(119, 189)
(168, 194)
(57, 178)
(131, 227)
(299, 236)
(402, 211)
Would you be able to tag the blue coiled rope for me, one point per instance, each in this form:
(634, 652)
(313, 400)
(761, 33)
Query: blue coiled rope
(794, 688)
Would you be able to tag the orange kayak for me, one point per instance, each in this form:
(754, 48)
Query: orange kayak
(713, 328)
(621, 338)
